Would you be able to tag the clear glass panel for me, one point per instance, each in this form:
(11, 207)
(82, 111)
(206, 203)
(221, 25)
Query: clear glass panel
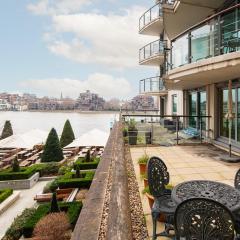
(193, 109)
(203, 107)
(202, 43)
(174, 104)
(230, 32)
(180, 51)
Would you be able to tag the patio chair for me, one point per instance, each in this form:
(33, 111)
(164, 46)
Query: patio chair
(158, 178)
(237, 180)
(203, 219)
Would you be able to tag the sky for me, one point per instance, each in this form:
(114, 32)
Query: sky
(53, 46)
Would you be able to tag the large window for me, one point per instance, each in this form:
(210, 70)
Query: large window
(224, 121)
(174, 104)
(197, 108)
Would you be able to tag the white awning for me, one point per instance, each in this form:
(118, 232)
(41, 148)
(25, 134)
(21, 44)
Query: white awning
(25, 140)
(94, 137)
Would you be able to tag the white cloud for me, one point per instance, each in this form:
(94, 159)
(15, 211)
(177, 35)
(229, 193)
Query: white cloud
(109, 39)
(53, 7)
(103, 84)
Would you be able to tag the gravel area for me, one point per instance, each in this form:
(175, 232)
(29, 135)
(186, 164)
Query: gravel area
(137, 215)
(103, 228)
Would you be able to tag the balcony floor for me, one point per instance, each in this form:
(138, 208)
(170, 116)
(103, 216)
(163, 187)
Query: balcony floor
(199, 162)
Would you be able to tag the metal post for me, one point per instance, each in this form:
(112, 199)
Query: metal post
(201, 129)
(177, 129)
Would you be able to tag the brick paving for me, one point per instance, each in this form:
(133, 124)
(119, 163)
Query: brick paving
(199, 162)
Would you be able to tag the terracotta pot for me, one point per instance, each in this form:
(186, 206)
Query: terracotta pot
(145, 182)
(162, 217)
(142, 167)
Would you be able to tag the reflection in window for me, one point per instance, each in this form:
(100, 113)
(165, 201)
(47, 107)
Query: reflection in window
(174, 104)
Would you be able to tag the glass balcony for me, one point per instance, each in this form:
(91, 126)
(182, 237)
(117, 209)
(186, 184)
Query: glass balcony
(153, 53)
(152, 86)
(219, 35)
(150, 16)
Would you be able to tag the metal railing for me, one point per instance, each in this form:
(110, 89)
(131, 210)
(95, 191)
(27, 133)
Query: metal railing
(152, 49)
(166, 130)
(154, 84)
(150, 15)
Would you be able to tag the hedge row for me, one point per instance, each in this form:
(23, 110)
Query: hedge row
(72, 209)
(27, 172)
(87, 165)
(4, 194)
(68, 181)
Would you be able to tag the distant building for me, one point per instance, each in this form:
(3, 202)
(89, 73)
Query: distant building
(90, 102)
(4, 105)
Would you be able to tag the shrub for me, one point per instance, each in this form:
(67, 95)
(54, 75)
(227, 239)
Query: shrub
(53, 226)
(4, 194)
(52, 151)
(47, 169)
(87, 165)
(7, 130)
(63, 170)
(54, 204)
(15, 231)
(67, 136)
(15, 165)
(88, 156)
(72, 209)
(143, 159)
(50, 187)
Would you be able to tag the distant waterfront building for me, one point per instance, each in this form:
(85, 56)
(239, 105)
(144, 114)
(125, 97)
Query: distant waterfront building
(140, 103)
(88, 101)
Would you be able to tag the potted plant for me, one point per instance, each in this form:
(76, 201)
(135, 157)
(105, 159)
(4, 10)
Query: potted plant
(132, 132)
(142, 161)
(150, 198)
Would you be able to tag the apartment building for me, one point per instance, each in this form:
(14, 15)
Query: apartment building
(198, 54)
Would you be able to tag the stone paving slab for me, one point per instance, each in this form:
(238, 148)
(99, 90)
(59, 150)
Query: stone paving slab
(185, 163)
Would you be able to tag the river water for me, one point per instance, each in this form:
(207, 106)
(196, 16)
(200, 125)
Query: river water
(81, 122)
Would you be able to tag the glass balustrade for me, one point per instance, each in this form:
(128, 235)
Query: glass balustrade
(154, 84)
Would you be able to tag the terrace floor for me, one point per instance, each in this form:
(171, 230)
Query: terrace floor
(197, 162)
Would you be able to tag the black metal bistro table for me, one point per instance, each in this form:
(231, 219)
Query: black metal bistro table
(220, 192)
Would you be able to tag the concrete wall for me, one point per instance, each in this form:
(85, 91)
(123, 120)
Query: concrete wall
(20, 184)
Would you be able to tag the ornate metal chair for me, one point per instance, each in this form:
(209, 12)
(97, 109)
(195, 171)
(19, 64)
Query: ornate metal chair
(237, 180)
(158, 178)
(203, 219)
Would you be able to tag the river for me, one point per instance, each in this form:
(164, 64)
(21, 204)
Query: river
(81, 122)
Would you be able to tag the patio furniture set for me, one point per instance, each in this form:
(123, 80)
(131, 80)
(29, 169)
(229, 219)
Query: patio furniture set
(194, 210)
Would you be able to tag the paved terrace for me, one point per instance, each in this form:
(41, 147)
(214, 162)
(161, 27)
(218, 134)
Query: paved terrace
(198, 162)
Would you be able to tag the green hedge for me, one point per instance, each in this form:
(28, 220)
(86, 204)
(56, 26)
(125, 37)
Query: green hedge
(68, 181)
(72, 209)
(87, 165)
(4, 194)
(27, 172)
(15, 231)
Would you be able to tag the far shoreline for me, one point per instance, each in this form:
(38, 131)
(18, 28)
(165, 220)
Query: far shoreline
(66, 111)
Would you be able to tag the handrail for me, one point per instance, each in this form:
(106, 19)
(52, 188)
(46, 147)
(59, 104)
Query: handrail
(148, 84)
(162, 44)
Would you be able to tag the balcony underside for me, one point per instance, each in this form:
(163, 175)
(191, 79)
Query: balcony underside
(187, 14)
(155, 60)
(204, 72)
(156, 93)
(154, 28)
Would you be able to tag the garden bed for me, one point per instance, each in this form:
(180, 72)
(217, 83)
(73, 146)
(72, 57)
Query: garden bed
(25, 223)
(84, 165)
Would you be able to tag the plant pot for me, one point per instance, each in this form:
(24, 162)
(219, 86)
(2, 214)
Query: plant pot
(132, 137)
(145, 181)
(142, 167)
(162, 217)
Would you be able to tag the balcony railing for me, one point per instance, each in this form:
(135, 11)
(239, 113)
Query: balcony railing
(152, 14)
(150, 85)
(217, 35)
(152, 49)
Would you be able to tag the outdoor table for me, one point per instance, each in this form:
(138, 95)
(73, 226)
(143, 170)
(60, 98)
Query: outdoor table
(220, 192)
